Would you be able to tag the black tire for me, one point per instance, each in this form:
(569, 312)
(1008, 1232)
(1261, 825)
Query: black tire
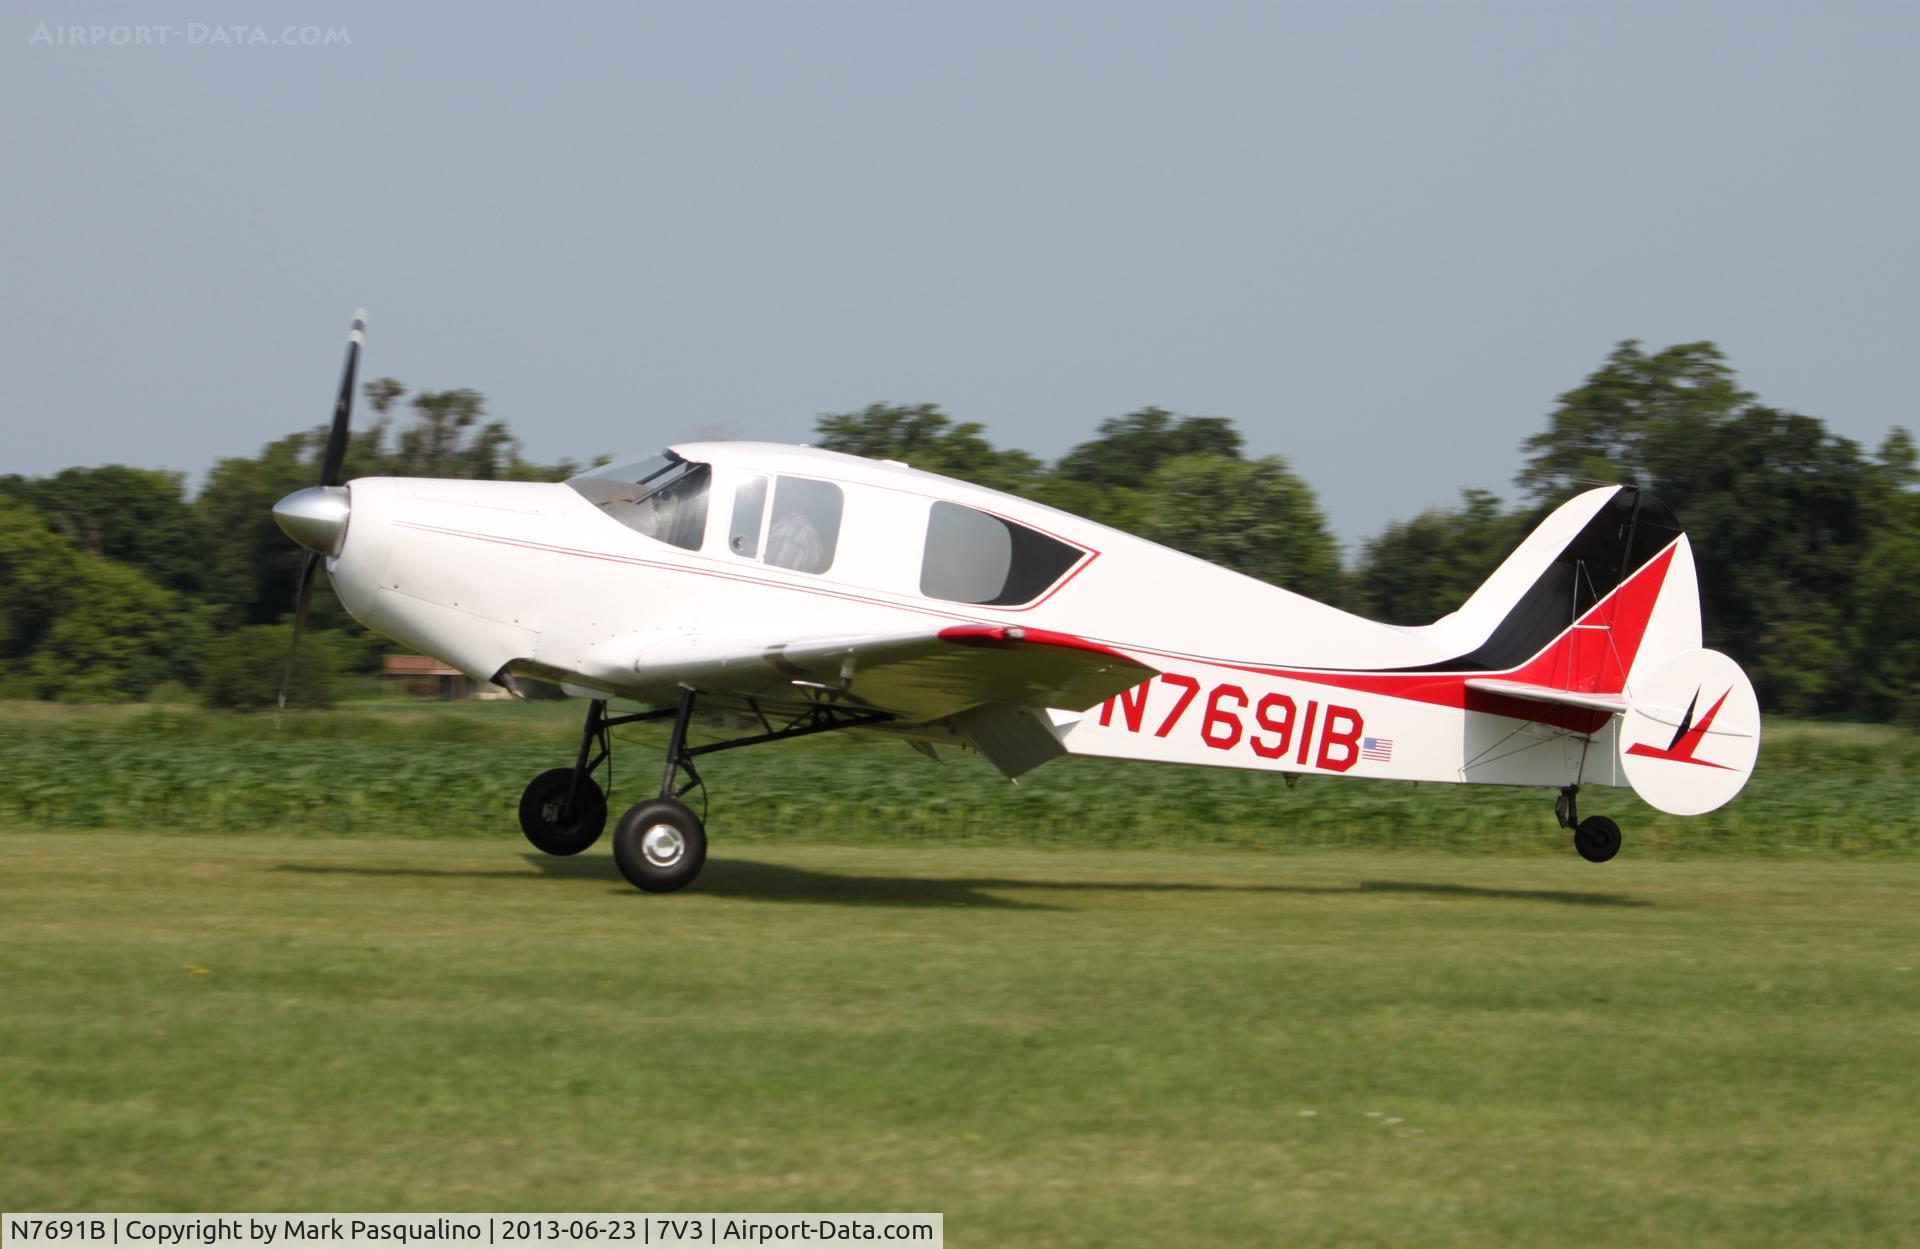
(1597, 839)
(660, 845)
(541, 818)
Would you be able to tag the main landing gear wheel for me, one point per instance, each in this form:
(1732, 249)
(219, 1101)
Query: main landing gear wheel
(552, 824)
(660, 845)
(1597, 839)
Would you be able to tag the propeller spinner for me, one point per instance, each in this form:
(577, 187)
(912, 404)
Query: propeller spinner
(316, 517)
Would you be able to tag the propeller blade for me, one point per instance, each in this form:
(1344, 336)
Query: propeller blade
(330, 462)
(336, 452)
(308, 570)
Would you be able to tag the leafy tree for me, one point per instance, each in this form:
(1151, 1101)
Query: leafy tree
(1253, 516)
(245, 667)
(1776, 513)
(76, 625)
(138, 516)
(1131, 448)
(1893, 478)
(449, 438)
(1418, 570)
(38, 573)
(1886, 591)
(1151, 473)
(252, 569)
(382, 393)
(1809, 550)
(1123, 507)
(927, 438)
(1779, 509)
(1639, 420)
(1103, 479)
(81, 552)
(116, 636)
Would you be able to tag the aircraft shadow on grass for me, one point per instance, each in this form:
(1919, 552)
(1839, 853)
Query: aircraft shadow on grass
(754, 881)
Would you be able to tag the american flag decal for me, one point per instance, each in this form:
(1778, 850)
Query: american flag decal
(1378, 749)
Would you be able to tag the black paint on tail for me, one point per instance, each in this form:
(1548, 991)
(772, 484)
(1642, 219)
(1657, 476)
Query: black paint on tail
(1631, 529)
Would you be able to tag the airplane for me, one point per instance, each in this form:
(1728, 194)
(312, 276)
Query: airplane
(772, 592)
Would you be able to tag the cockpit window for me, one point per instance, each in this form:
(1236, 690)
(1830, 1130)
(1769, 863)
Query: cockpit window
(976, 557)
(664, 498)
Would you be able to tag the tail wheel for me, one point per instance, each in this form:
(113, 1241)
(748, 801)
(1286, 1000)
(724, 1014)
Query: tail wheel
(1597, 839)
(552, 824)
(660, 845)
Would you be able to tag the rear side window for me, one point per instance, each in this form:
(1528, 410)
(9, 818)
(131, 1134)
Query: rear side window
(805, 525)
(976, 557)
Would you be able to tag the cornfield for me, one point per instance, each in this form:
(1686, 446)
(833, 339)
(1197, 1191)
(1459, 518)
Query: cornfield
(1822, 789)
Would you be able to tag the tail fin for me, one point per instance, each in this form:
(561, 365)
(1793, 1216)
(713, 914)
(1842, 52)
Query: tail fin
(1543, 597)
(1600, 610)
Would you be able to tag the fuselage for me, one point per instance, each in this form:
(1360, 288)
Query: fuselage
(544, 580)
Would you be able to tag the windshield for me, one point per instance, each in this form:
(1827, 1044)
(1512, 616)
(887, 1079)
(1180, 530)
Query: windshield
(664, 497)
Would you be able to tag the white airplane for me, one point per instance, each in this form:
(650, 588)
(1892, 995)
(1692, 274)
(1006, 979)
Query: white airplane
(779, 591)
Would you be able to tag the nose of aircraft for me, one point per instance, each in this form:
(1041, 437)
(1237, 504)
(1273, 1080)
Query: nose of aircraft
(316, 517)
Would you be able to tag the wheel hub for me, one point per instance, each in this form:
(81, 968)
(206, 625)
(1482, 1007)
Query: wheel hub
(663, 845)
(563, 817)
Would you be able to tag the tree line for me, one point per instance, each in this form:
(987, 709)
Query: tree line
(114, 580)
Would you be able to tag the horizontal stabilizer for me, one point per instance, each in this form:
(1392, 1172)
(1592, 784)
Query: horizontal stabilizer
(1613, 704)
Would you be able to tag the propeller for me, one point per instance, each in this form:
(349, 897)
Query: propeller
(322, 500)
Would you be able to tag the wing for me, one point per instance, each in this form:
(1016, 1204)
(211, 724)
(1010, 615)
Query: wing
(921, 675)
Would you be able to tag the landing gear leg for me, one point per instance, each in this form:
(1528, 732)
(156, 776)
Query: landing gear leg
(1597, 838)
(661, 844)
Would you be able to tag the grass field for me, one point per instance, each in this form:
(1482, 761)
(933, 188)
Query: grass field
(1119, 1004)
(1054, 1047)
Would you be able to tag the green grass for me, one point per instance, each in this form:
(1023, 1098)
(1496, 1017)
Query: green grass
(451, 770)
(1054, 1047)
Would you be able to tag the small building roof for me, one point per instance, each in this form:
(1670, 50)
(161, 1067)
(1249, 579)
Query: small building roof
(416, 666)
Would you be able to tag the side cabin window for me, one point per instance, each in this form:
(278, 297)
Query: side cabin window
(804, 526)
(664, 498)
(976, 557)
(802, 529)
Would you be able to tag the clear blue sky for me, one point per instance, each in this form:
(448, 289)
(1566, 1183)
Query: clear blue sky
(1379, 237)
